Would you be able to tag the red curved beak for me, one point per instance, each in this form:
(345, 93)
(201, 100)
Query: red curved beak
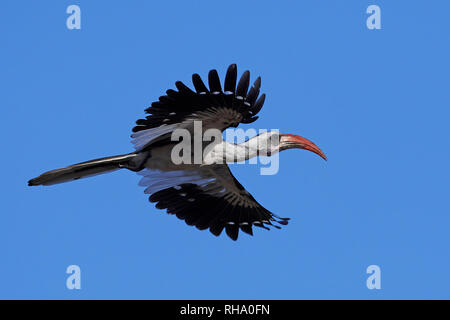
(288, 141)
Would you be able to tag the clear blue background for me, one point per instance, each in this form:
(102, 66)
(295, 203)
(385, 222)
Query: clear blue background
(376, 101)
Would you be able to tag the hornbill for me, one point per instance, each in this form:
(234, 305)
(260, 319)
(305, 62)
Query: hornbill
(205, 194)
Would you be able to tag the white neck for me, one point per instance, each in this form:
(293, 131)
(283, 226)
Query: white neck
(226, 152)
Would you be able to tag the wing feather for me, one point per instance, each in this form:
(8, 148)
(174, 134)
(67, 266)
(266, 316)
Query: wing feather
(242, 86)
(178, 106)
(214, 199)
(198, 84)
(214, 82)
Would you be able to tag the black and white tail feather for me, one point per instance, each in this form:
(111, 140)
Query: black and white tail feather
(88, 169)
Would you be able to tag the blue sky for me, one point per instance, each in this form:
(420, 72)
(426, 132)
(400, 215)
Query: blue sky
(376, 101)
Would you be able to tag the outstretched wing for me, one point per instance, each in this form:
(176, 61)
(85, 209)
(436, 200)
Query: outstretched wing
(216, 108)
(208, 197)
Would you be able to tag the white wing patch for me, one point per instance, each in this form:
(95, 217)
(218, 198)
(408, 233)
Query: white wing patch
(143, 137)
(156, 180)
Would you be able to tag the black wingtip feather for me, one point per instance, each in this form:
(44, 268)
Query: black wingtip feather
(214, 81)
(216, 229)
(257, 83)
(198, 83)
(253, 92)
(258, 104)
(243, 84)
(247, 229)
(232, 231)
(182, 88)
(230, 78)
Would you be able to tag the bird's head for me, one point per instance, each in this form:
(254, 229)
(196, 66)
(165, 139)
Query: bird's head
(274, 142)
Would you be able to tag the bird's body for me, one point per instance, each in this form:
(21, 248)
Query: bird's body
(196, 185)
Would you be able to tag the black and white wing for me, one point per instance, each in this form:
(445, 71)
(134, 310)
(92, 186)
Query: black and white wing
(208, 197)
(216, 108)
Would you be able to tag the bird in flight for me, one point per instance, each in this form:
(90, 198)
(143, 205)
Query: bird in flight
(205, 194)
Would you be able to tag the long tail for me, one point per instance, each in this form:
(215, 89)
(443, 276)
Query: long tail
(87, 169)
